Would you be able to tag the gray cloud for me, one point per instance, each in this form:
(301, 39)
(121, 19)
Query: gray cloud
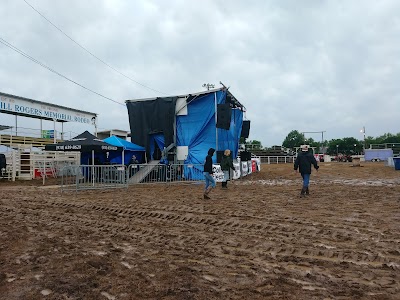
(305, 65)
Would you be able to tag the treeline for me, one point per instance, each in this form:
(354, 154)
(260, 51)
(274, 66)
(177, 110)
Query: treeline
(347, 145)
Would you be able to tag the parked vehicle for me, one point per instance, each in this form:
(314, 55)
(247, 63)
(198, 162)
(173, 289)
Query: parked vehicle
(319, 157)
(342, 158)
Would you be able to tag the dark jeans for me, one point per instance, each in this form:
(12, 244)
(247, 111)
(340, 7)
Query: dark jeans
(306, 179)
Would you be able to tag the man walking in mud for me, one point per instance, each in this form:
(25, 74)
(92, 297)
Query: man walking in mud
(303, 162)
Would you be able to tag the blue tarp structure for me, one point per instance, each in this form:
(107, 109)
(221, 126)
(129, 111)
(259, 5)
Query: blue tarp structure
(197, 129)
(129, 149)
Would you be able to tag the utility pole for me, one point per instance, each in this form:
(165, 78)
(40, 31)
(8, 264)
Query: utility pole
(363, 131)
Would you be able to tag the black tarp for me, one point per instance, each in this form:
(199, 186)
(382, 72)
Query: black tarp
(3, 161)
(224, 113)
(245, 129)
(85, 142)
(152, 117)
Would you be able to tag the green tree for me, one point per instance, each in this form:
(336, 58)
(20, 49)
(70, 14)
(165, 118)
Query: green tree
(255, 145)
(351, 145)
(310, 142)
(348, 146)
(333, 146)
(389, 138)
(294, 139)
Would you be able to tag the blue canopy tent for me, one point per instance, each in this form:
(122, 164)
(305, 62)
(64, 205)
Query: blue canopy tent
(128, 150)
(93, 150)
(192, 121)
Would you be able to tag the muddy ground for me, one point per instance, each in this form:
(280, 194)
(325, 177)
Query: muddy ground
(256, 240)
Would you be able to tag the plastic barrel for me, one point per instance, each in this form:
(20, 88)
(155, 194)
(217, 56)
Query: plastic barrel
(396, 161)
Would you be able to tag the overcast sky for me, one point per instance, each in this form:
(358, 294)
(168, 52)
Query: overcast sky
(329, 66)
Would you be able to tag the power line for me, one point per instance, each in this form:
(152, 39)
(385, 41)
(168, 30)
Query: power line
(82, 47)
(5, 43)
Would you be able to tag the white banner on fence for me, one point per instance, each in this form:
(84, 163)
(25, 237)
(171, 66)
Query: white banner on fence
(236, 173)
(258, 163)
(249, 167)
(218, 174)
(244, 168)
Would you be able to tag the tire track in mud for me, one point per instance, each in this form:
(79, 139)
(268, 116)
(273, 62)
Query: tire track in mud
(285, 228)
(202, 246)
(232, 227)
(156, 212)
(279, 242)
(350, 182)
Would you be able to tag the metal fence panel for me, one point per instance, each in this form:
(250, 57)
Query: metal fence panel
(87, 177)
(277, 159)
(157, 173)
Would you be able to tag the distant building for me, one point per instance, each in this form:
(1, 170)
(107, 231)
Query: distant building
(117, 132)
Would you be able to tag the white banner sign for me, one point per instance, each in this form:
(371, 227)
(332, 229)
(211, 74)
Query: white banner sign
(40, 110)
(249, 167)
(258, 163)
(236, 173)
(218, 174)
(244, 168)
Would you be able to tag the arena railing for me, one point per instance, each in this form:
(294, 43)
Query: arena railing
(86, 177)
(277, 159)
(91, 177)
(162, 173)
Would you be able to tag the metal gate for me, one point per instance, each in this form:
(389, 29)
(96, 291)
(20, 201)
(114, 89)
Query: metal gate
(158, 173)
(89, 177)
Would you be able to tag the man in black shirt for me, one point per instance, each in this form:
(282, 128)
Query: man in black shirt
(303, 162)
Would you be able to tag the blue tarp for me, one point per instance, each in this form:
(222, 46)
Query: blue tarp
(159, 139)
(198, 131)
(130, 149)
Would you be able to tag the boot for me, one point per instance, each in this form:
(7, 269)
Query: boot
(206, 192)
(224, 185)
(302, 193)
(307, 191)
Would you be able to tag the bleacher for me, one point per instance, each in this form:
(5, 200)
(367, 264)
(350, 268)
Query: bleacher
(15, 140)
(394, 146)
